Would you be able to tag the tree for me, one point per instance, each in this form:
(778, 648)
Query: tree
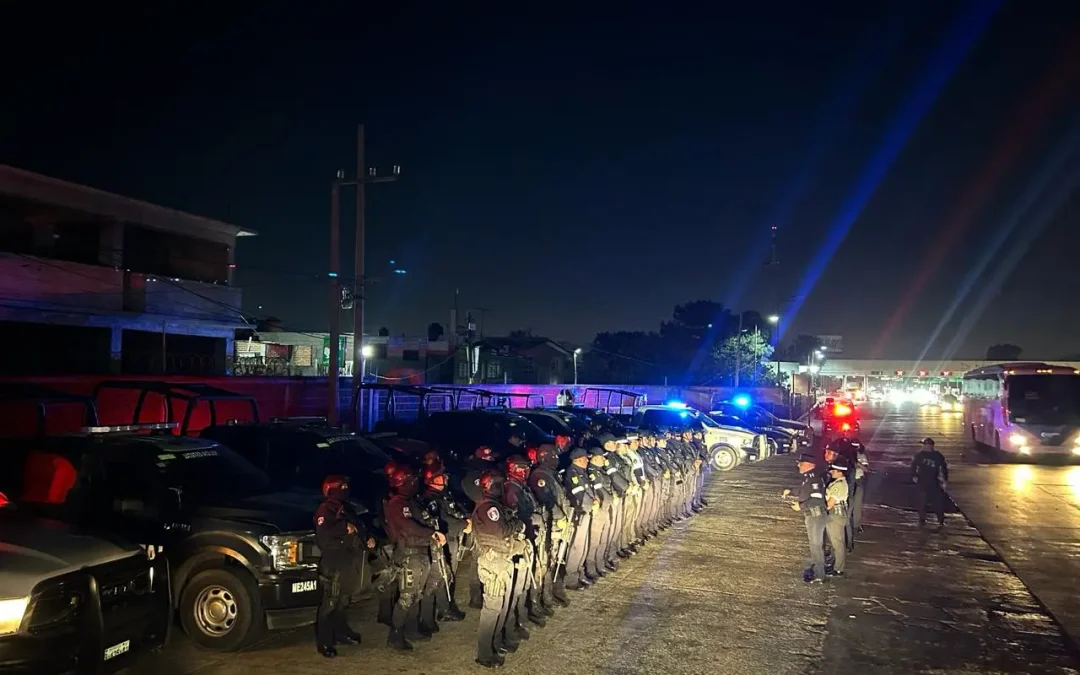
(384, 332)
(801, 348)
(691, 338)
(623, 357)
(520, 333)
(1003, 352)
(434, 331)
(748, 353)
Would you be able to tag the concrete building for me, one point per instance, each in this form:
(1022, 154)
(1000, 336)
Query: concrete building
(393, 358)
(514, 360)
(93, 282)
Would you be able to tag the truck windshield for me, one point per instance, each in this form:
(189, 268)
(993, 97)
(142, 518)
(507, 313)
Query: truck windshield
(213, 471)
(1044, 399)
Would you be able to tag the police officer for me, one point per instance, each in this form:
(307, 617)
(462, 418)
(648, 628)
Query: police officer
(862, 479)
(556, 512)
(518, 497)
(930, 473)
(841, 451)
(454, 523)
(339, 539)
(498, 536)
(596, 562)
(629, 464)
(482, 461)
(810, 501)
(582, 498)
(836, 523)
(618, 486)
(412, 533)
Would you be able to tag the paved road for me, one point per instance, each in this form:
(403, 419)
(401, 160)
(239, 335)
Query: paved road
(722, 593)
(1030, 514)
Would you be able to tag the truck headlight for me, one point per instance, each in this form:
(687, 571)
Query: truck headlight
(285, 552)
(12, 611)
(1018, 439)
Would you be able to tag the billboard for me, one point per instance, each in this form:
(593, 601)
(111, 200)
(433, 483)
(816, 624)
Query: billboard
(833, 344)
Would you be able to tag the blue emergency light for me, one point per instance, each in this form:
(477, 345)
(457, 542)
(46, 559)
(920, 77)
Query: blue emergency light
(676, 404)
(742, 400)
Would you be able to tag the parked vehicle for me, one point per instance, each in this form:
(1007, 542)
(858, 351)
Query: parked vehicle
(779, 440)
(728, 446)
(71, 601)
(191, 405)
(242, 555)
(760, 418)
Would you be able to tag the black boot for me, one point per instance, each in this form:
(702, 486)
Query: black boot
(329, 651)
(397, 640)
(493, 661)
(453, 613)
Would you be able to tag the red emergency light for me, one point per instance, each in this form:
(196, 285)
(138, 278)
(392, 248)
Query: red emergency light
(4, 501)
(845, 427)
(841, 410)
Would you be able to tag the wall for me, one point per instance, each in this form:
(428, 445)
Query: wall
(282, 396)
(32, 282)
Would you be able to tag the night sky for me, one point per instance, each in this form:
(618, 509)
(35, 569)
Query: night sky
(576, 170)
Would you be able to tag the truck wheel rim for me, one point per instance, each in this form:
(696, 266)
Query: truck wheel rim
(723, 460)
(216, 611)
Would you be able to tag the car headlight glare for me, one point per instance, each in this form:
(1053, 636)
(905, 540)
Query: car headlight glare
(1018, 439)
(284, 551)
(12, 611)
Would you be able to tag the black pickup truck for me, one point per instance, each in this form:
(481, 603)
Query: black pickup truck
(242, 555)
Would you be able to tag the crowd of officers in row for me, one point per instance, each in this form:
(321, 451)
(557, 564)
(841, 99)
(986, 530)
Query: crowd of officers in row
(535, 530)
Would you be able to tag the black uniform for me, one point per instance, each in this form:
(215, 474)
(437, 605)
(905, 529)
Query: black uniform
(338, 574)
(499, 537)
(450, 517)
(929, 470)
(519, 497)
(555, 511)
(410, 530)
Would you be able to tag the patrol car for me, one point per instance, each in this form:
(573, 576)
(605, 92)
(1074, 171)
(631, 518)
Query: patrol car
(728, 446)
(242, 555)
(70, 600)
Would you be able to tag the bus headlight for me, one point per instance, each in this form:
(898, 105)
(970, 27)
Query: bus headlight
(1018, 439)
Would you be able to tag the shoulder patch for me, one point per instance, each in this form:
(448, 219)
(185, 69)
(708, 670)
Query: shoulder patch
(574, 480)
(406, 511)
(541, 482)
(320, 520)
(493, 514)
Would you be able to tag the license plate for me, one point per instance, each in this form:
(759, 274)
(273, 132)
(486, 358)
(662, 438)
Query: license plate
(117, 650)
(304, 586)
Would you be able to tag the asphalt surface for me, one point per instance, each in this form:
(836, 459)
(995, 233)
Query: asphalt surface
(722, 592)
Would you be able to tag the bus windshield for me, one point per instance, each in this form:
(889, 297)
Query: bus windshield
(1044, 399)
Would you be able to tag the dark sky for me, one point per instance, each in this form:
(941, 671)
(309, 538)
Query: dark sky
(577, 170)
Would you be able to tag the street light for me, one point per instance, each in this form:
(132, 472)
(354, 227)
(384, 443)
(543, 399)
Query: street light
(577, 352)
(366, 352)
(774, 319)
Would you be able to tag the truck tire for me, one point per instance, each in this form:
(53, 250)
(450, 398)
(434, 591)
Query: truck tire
(221, 611)
(723, 457)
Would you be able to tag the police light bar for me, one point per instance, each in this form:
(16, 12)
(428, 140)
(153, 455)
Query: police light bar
(127, 428)
(676, 404)
(742, 401)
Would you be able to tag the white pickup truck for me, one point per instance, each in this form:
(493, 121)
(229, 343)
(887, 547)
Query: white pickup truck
(728, 446)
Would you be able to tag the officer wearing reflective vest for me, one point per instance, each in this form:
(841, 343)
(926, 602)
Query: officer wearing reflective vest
(341, 542)
(809, 499)
(499, 537)
(584, 504)
(836, 505)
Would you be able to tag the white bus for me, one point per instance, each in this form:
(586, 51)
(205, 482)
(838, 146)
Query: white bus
(1029, 409)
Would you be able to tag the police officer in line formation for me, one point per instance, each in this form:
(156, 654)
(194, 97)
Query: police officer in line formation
(535, 532)
(826, 498)
(342, 540)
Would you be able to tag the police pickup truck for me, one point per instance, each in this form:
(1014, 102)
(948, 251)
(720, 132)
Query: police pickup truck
(242, 555)
(73, 602)
(727, 446)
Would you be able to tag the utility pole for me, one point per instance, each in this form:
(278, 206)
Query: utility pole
(738, 351)
(335, 301)
(364, 176)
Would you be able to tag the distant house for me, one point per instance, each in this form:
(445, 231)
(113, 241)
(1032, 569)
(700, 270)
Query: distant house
(514, 360)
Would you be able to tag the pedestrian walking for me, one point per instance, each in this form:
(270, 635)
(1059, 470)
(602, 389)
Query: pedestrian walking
(930, 473)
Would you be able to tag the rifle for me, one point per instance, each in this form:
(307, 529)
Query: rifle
(439, 554)
(564, 545)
